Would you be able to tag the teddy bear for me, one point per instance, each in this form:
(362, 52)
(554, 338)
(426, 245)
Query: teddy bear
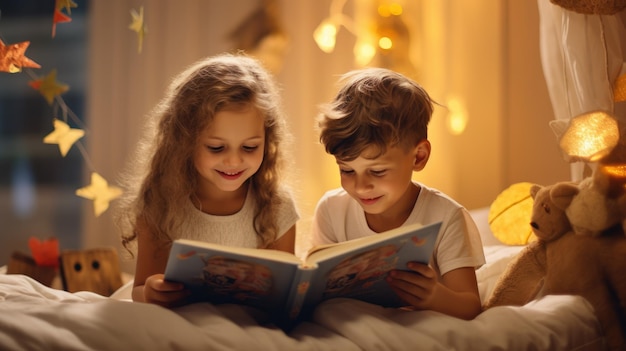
(593, 205)
(562, 262)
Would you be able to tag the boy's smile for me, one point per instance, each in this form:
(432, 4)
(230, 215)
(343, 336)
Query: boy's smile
(369, 201)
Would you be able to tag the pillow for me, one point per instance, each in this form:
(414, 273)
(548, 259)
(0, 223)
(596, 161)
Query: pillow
(480, 215)
(510, 213)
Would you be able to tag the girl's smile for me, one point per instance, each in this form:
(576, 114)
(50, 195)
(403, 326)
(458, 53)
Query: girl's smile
(230, 150)
(230, 175)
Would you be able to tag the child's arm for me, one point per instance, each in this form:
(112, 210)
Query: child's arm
(149, 285)
(287, 242)
(456, 295)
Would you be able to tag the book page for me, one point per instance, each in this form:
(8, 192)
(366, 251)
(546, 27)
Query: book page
(357, 268)
(322, 252)
(268, 254)
(221, 274)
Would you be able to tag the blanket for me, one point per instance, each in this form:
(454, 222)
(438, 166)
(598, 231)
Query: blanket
(36, 317)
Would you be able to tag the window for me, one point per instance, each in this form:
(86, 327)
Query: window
(37, 184)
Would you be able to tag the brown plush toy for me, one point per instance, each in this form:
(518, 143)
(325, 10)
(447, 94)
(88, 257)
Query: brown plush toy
(561, 262)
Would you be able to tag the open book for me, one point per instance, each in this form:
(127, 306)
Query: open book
(285, 286)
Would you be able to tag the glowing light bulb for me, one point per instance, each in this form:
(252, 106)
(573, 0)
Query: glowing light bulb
(325, 36)
(364, 52)
(395, 9)
(385, 43)
(456, 120)
(590, 136)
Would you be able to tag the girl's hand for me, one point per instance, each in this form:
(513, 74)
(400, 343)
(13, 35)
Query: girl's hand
(417, 287)
(158, 291)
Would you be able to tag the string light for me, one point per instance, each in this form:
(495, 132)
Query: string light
(456, 120)
(368, 40)
(590, 136)
(325, 36)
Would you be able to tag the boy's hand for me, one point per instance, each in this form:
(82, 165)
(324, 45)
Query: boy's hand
(158, 291)
(416, 287)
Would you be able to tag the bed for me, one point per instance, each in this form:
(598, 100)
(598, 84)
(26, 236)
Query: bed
(36, 317)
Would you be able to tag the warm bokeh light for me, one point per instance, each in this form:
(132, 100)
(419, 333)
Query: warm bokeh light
(386, 10)
(385, 43)
(456, 120)
(619, 89)
(363, 53)
(615, 171)
(325, 36)
(395, 9)
(371, 37)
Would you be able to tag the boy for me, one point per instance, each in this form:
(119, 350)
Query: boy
(376, 127)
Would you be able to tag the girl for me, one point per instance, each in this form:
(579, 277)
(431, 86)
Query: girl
(214, 171)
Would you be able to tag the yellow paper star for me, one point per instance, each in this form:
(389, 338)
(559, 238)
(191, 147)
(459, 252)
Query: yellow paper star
(65, 4)
(12, 57)
(100, 192)
(138, 26)
(48, 86)
(64, 136)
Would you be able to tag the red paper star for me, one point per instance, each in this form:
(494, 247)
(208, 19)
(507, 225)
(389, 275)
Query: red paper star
(45, 252)
(48, 86)
(59, 17)
(12, 57)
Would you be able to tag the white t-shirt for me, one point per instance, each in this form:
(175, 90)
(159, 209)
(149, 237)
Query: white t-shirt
(338, 217)
(233, 230)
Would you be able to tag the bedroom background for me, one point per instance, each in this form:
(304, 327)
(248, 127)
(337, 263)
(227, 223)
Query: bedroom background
(479, 59)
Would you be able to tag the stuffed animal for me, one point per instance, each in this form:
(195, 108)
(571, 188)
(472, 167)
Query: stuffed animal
(561, 262)
(591, 206)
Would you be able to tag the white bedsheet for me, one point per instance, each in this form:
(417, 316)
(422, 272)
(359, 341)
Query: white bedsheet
(35, 317)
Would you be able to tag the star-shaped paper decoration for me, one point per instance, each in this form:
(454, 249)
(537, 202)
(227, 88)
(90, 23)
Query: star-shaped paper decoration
(138, 26)
(100, 192)
(48, 86)
(12, 57)
(45, 252)
(60, 17)
(64, 136)
(68, 5)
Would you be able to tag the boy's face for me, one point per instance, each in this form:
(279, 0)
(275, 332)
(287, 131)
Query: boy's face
(381, 184)
(230, 149)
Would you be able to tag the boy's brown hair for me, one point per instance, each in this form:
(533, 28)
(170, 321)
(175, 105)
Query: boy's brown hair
(375, 107)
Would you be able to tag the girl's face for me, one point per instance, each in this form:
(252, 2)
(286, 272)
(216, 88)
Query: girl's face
(230, 150)
(380, 185)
